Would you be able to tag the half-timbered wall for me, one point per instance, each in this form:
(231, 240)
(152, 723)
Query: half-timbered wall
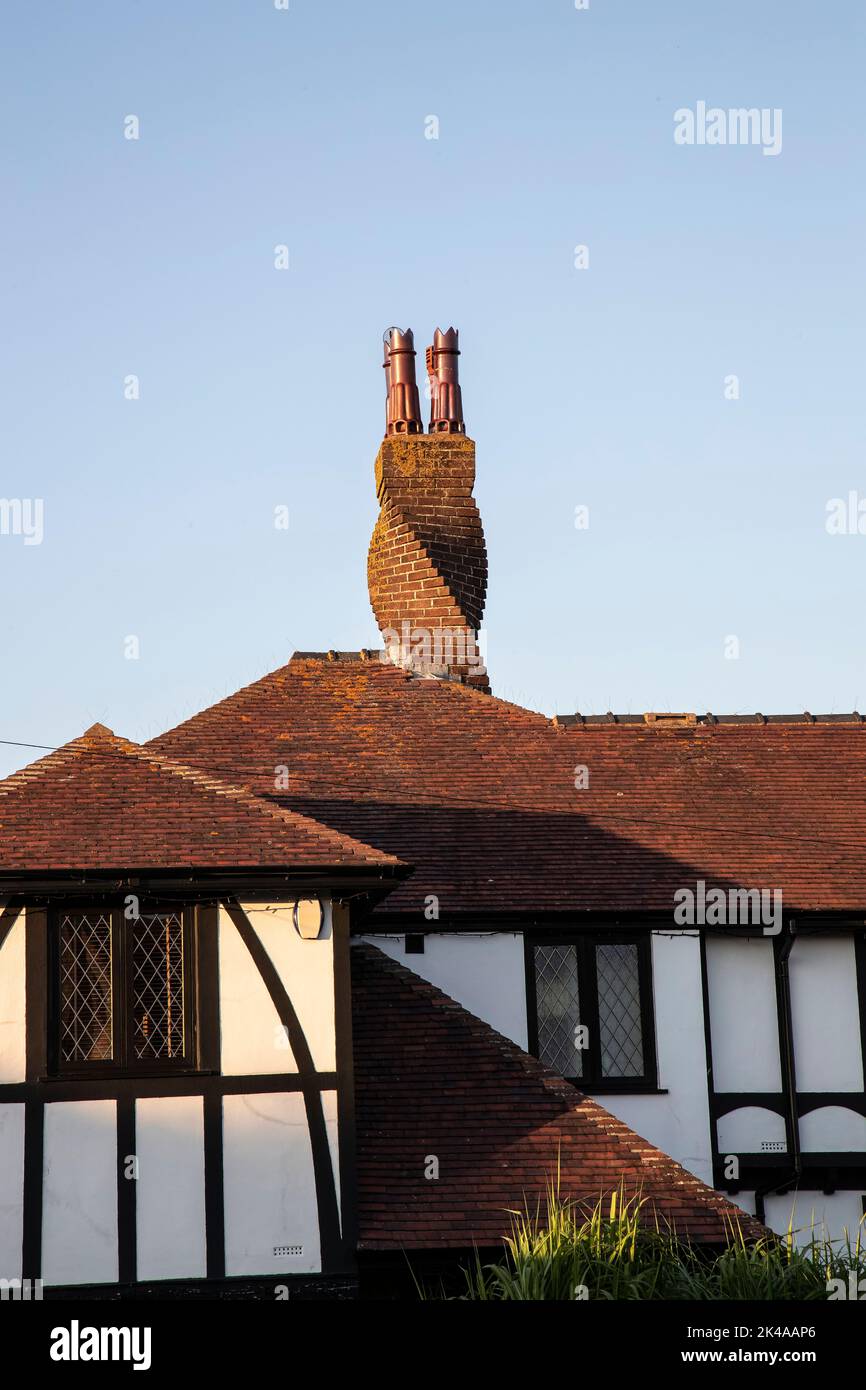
(822, 1135)
(231, 1170)
(737, 1068)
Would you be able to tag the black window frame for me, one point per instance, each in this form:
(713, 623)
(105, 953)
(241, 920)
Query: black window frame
(585, 942)
(123, 1062)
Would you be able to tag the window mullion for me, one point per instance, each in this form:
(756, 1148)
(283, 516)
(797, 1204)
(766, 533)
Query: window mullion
(647, 1005)
(588, 984)
(190, 958)
(121, 998)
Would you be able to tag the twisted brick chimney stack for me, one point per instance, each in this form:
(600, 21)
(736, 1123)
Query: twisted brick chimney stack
(427, 564)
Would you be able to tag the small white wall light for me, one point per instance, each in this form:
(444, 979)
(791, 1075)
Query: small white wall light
(308, 916)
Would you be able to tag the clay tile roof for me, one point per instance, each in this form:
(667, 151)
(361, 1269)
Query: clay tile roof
(431, 1079)
(101, 802)
(480, 794)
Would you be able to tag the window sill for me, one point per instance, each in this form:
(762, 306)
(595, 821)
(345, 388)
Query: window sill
(605, 1089)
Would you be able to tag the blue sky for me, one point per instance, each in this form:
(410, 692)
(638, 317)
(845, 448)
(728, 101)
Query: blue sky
(602, 387)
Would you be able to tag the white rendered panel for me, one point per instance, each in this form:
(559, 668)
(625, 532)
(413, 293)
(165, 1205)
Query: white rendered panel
(824, 1215)
(825, 1014)
(751, 1130)
(253, 1039)
(270, 1191)
(743, 1014)
(833, 1129)
(306, 969)
(12, 1005)
(329, 1106)
(170, 1206)
(11, 1188)
(79, 1215)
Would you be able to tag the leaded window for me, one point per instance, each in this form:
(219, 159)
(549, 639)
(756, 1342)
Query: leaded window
(123, 987)
(157, 986)
(590, 1009)
(558, 1008)
(619, 1010)
(86, 987)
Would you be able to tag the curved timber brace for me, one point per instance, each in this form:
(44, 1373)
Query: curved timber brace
(323, 1171)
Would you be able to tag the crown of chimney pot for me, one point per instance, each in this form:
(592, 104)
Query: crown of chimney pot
(427, 564)
(446, 400)
(402, 407)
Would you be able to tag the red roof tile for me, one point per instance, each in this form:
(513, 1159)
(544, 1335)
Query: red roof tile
(101, 802)
(431, 1079)
(480, 794)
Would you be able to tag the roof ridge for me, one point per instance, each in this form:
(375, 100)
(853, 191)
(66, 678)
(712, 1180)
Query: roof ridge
(366, 657)
(708, 720)
(40, 766)
(224, 700)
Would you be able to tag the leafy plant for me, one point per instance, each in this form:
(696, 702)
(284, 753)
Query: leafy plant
(615, 1252)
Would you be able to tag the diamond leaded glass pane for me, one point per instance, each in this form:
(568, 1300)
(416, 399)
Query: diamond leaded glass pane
(558, 1008)
(619, 1013)
(85, 987)
(157, 986)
